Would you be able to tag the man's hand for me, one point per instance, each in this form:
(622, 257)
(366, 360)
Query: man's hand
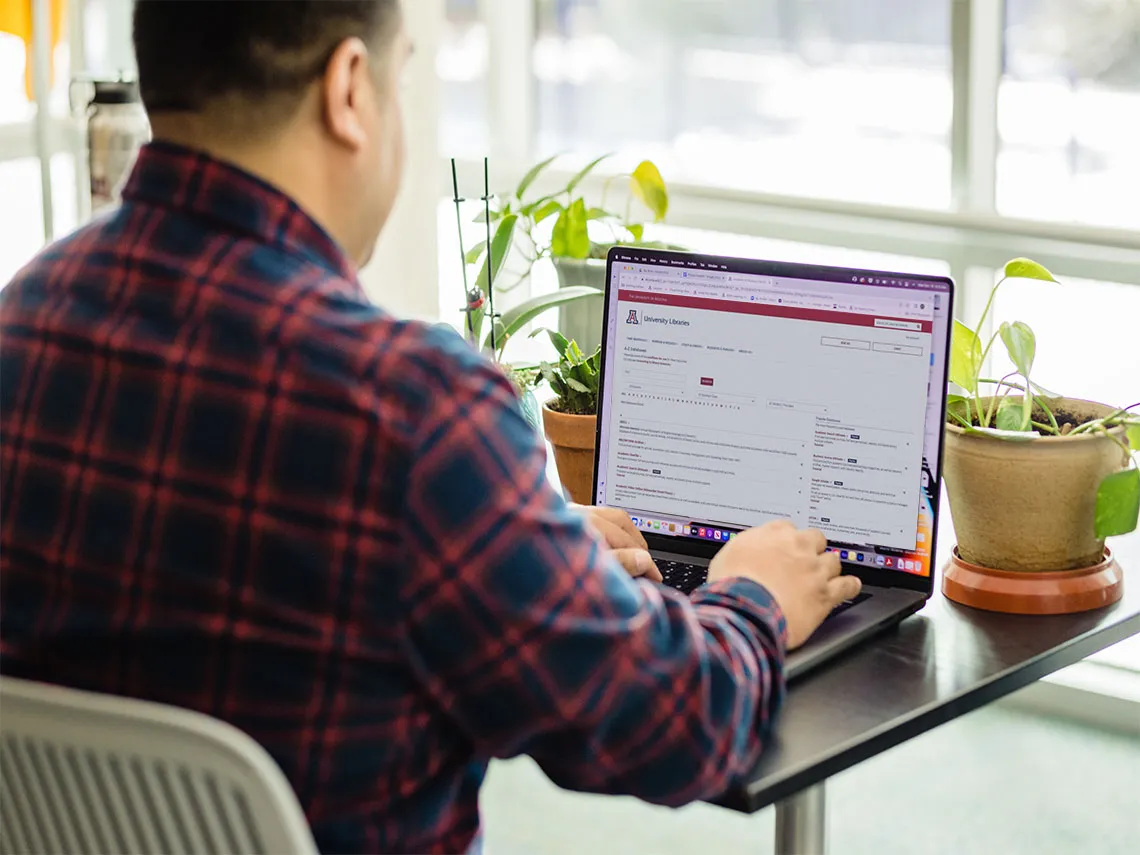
(795, 568)
(620, 535)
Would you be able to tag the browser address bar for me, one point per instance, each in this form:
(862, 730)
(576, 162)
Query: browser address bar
(716, 287)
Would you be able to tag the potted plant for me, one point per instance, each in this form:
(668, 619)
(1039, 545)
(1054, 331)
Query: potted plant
(571, 417)
(1036, 481)
(479, 311)
(578, 255)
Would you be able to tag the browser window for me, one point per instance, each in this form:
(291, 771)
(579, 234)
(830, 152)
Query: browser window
(732, 399)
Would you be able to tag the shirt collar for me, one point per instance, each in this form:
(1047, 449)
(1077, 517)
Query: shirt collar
(182, 179)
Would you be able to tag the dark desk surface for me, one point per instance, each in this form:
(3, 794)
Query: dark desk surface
(942, 663)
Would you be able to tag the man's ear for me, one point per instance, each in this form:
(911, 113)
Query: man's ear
(344, 89)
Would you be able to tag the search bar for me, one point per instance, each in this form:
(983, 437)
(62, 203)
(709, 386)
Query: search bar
(891, 324)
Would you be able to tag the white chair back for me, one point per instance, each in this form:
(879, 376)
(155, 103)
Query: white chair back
(91, 773)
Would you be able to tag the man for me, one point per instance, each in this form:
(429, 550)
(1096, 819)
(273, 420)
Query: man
(234, 485)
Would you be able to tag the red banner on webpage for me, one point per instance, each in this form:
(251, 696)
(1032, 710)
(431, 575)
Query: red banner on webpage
(778, 311)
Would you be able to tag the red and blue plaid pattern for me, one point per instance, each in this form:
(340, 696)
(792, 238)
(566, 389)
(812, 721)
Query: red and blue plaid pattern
(232, 484)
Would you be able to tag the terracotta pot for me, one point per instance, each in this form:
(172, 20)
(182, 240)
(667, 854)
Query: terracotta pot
(1030, 506)
(573, 439)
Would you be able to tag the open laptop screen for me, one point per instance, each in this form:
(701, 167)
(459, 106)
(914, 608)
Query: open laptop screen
(737, 392)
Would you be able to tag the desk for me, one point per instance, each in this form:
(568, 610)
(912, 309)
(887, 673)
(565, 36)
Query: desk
(942, 663)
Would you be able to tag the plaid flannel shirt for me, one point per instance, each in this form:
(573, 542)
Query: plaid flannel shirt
(232, 484)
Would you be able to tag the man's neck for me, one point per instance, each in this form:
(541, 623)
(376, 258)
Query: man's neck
(275, 164)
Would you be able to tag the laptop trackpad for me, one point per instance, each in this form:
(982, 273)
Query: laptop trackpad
(883, 609)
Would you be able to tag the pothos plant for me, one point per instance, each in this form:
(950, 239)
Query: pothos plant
(517, 217)
(1017, 408)
(574, 379)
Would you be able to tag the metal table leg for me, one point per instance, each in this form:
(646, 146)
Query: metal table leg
(801, 823)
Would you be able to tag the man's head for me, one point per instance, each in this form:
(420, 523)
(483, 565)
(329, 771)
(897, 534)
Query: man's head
(303, 93)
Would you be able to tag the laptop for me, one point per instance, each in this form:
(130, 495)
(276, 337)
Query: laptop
(735, 392)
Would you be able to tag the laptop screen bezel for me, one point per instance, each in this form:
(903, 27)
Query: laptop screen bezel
(685, 546)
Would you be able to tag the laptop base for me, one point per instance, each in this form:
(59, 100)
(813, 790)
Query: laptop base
(876, 610)
(885, 608)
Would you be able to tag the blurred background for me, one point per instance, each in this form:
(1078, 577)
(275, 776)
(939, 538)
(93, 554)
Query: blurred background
(940, 136)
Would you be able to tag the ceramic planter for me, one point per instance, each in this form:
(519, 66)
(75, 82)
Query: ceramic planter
(1030, 506)
(582, 321)
(573, 439)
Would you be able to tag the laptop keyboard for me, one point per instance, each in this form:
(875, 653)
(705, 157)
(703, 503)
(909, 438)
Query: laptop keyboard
(686, 578)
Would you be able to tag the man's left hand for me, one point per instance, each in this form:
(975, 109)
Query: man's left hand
(627, 543)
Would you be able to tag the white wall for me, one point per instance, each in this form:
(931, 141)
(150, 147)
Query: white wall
(403, 276)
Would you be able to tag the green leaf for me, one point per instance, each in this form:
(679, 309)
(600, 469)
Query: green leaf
(1009, 416)
(476, 252)
(637, 232)
(571, 238)
(961, 420)
(577, 179)
(965, 358)
(1027, 268)
(500, 245)
(1118, 504)
(515, 319)
(648, 186)
(560, 342)
(528, 179)
(577, 386)
(495, 215)
(1021, 344)
(551, 207)
(1134, 438)
(1045, 393)
(957, 408)
(598, 214)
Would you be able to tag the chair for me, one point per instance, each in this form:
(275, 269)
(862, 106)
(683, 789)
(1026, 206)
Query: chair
(90, 773)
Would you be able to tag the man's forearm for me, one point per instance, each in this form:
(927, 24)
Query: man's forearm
(685, 703)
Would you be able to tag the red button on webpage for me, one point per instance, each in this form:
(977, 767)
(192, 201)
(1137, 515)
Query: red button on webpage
(706, 381)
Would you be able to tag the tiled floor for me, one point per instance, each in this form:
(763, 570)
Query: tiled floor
(997, 782)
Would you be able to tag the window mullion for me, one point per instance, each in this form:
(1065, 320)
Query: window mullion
(75, 133)
(977, 39)
(41, 128)
(511, 105)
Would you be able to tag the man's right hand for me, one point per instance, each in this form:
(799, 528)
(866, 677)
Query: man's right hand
(794, 567)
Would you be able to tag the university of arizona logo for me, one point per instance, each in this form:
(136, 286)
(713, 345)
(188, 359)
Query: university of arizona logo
(632, 319)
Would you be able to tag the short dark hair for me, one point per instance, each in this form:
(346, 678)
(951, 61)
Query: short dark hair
(191, 53)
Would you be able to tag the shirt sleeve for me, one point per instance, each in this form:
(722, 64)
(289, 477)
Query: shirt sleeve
(537, 642)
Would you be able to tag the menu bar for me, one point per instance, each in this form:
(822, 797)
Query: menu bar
(685, 261)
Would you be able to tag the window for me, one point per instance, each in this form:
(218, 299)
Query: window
(748, 246)
(828, 98)
(20, 224)
(1069, 111)
(21, 219)
(462, 63)
(1085, 335)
